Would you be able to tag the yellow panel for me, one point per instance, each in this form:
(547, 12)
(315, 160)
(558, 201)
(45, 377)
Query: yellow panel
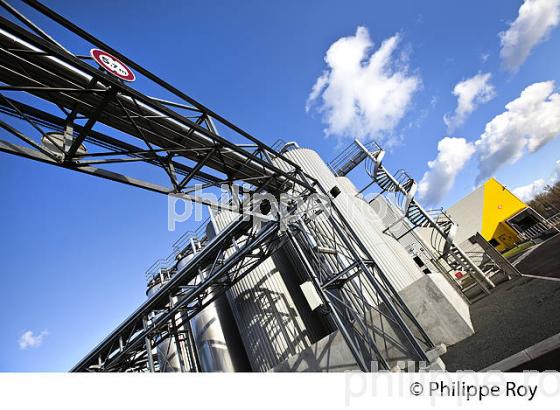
(506, 236)
(499, 205)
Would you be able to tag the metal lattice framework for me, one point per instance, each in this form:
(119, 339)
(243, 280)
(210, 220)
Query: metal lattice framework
(403, 188)
(70, 113)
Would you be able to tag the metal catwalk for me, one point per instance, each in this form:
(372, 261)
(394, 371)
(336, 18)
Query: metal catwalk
(402, 188)
(61, 108)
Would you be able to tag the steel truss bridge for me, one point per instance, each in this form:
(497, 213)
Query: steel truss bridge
(59, 107)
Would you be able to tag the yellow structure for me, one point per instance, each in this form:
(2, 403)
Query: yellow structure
(499, 205)
(495, 212)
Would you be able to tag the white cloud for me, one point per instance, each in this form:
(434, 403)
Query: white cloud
(363, 93)
(529, 122)
(470, 94)
(529, 191)
(28, 339)
(453, 154)
(533, 24)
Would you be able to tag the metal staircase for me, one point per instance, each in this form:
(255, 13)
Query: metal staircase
(460, 270)
(462, 267)
(104, 121)
(349, 158)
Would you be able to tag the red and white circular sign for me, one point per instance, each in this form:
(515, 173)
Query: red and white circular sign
(112, 64)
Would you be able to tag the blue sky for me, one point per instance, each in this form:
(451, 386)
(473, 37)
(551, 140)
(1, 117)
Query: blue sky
(75, 247)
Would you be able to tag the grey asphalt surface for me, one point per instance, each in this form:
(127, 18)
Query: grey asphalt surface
(518, 314)
(544, 260)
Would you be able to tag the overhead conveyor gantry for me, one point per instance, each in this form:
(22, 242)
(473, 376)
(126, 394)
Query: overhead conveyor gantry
(70, 113)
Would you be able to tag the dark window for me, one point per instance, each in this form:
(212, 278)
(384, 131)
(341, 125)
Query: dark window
(335, 191)
(524, 220)
(418, 261)
(493, 242)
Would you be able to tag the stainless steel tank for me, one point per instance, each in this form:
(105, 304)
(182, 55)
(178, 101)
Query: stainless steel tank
(217, 345)
(391, 257)
(270, 311)
(172, 352)
(393, 260)
(216, 338)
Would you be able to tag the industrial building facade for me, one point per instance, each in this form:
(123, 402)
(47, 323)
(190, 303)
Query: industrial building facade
(268, 321)
(494, 212)
(374, 282)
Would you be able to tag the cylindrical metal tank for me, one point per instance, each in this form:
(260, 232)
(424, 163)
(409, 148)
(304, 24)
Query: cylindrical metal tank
(216, 338)
(395, 258)
(218, 345)
(272, 325)
(172, 353)
(389, 255)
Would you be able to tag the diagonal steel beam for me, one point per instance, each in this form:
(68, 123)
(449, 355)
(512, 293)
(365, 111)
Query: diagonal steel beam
(109, 95)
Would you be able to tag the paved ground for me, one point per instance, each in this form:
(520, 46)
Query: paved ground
(544, 260)
(518, 314)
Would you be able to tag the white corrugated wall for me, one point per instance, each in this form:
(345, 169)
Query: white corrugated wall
(391, 257)
(268, 320)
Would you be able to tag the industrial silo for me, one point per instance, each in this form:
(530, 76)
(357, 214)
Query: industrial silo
(215, 338)
(390, 256)
(172, 351)
(272, 316)
(393, 261)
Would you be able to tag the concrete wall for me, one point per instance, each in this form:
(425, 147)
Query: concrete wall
(330, 354)
(435, 304)
(443, 314)
(467, 214)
